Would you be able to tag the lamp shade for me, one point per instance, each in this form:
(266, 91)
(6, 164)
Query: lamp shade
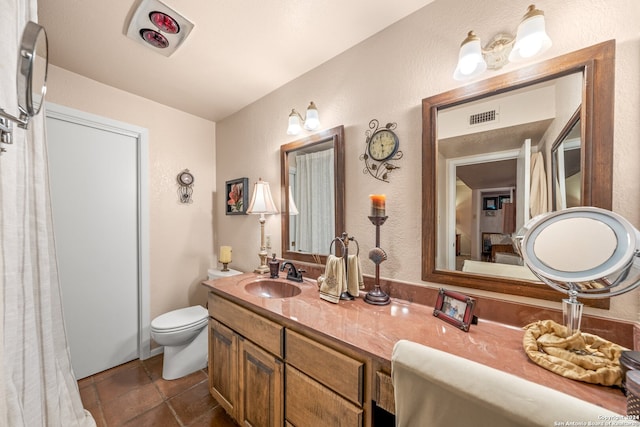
(261, 200)
(312, 120)
(532, 38)
(470, 60)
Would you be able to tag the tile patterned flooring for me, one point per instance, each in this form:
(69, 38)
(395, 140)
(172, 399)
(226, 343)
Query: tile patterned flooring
(134, 394)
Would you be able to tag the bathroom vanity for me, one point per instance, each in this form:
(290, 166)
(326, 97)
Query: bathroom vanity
(297, 360)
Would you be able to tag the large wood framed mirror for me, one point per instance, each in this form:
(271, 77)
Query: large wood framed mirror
(476, 142)
(312, 195)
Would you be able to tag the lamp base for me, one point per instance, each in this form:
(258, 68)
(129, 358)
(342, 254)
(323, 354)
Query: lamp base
(262, 269)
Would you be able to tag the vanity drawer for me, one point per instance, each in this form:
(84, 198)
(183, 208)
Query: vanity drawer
(262, 331)
(310, 404)
(337, 371)
(384, 394)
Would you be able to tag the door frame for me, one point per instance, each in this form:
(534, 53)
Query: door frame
(141, 135)
(450, 222)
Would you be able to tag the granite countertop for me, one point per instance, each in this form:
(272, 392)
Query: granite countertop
(375, 330)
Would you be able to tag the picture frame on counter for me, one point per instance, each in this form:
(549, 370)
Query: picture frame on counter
(455, 308)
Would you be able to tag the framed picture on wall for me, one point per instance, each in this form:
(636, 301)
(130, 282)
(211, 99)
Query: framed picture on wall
(489, 203)
(237, 197)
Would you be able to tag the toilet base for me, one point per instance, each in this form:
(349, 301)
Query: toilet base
(182, 360)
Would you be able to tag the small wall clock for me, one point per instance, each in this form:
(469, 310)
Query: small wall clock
(382, 147)
(185, 186)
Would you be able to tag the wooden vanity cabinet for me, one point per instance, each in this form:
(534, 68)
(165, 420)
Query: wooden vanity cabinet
(246, 379)
(265, 374)
(324, 387)
(260, 380)
(223, 366)
(310, 404)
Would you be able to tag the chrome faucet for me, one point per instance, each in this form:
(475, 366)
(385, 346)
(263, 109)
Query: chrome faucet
(293, 273)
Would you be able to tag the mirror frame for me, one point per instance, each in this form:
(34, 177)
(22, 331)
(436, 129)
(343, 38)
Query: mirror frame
(597, 63)
(33, 33)
(337, 135)
(554, 160)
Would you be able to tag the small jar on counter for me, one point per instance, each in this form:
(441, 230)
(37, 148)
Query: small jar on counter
(633, 393)
(629, 361)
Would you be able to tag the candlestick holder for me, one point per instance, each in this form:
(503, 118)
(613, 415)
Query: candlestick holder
(377, 296)
(225, 266)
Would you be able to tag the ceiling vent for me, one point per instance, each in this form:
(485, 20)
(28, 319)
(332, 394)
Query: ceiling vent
(484, 117)
(158, 27)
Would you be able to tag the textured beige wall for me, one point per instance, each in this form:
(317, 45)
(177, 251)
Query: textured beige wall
(181, 236)
(386, 77)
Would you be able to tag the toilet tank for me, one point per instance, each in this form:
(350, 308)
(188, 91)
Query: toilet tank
(214, 273)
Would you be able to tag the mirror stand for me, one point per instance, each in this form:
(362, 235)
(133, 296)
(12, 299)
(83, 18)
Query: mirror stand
(32, 74)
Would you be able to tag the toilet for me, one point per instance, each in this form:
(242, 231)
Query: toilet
(183, 333)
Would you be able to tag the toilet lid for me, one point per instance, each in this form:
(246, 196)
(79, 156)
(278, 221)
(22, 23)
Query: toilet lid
(180, 319)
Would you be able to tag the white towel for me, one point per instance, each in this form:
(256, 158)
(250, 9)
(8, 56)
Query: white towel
(355, 282)
(334, 280)
(538, 195)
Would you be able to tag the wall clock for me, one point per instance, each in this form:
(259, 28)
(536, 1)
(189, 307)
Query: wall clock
(185, 186)
(382, 148)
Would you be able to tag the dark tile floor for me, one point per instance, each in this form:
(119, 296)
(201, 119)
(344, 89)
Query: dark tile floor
(134, 394)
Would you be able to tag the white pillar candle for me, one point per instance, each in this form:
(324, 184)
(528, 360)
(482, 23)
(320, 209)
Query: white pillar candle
(225, 254)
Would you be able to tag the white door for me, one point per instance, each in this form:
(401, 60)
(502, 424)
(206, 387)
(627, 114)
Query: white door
(94, 196)
(523, 184)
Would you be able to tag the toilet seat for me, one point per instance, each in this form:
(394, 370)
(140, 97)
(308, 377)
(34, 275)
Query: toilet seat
(178, 320)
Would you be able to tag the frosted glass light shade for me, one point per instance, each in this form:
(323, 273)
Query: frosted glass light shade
(532, 38)
(294, 127)
(261, 200)
(470, 60)
(312, 120)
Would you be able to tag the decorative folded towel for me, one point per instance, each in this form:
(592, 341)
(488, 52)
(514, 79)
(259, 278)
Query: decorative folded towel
(581, 356)
(334, 280)
(355, 282)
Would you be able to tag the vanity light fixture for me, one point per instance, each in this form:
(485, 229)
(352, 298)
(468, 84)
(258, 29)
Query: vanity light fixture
(531, 40)
(310, 122)
(262, 203)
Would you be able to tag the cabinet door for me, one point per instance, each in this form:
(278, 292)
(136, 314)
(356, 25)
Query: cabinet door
(223, 366)
(261, 382)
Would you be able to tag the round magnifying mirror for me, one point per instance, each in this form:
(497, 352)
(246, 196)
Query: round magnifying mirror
(32, 69)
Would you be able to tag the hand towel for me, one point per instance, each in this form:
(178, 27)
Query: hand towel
(355, 281)
(581, 356)
(334, 279)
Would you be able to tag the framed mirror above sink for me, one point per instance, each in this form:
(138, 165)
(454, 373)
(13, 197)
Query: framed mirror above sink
(478, 141)
(313, 194)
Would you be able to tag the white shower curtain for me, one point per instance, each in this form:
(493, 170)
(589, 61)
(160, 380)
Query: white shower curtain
(315, 200)
(37, 385)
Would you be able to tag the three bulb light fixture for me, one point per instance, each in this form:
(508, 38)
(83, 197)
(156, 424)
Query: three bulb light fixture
(531, 39)
(310, 122)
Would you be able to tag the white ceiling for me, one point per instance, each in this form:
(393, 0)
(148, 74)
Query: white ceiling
(238, 51)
